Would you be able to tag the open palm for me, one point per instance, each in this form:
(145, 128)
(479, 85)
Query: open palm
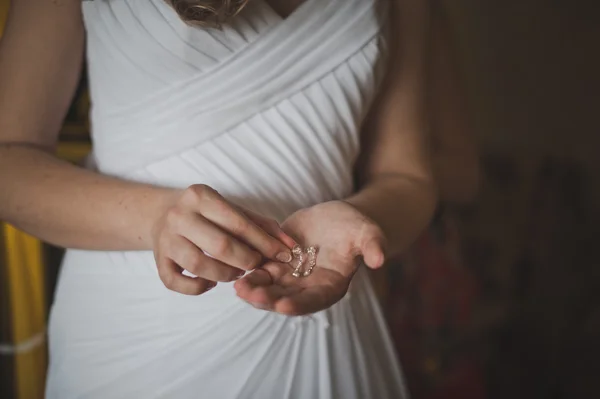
(342, 235)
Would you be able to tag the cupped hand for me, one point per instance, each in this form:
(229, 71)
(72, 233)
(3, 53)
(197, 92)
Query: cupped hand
(343, 236)
(214, 240)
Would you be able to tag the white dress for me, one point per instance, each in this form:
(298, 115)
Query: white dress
(268, 112)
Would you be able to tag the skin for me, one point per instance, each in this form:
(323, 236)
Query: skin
(397, 194)
(455, 154)
(40, 61)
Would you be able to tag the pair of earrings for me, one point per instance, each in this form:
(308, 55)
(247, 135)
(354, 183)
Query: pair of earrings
(298, 254)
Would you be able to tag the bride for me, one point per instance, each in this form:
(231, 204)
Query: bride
(251, 158)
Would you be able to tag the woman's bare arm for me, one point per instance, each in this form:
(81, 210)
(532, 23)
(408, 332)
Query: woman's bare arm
(40, 61)
(455, 155)
(397, 185)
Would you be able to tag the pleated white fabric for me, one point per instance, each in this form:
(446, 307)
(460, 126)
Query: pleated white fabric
(267, 111)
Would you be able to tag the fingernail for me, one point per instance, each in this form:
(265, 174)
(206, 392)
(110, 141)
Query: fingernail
(284, 257)
(240, 275)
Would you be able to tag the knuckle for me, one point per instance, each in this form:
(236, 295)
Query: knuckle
(195, 193)
(274, 247)
(207, 285)
(198, 289)
(190, 196)
(232, 275)
(194, 262)
(240, 226)
(222, 207)
(167, 279)
(270, 225)
(271, 251)
(223, 246)
(271, 222)
(253, 261)
(202, 192)
(270, 247)
(174, 216)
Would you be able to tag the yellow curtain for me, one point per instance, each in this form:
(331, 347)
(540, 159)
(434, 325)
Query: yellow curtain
(3, 13)
(26, 288)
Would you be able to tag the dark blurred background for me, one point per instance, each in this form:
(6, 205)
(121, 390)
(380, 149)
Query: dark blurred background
(500, 297)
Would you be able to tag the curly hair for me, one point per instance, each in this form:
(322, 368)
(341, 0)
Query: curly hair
(209, 13)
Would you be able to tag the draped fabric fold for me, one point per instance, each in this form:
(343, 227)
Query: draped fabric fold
(285, 59)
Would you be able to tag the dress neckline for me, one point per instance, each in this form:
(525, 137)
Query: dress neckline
(296, 11)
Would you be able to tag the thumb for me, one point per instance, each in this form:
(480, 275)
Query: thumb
(373, 252)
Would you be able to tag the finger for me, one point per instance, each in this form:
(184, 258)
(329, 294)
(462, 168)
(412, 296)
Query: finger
(373, 253)
(251, 288)
(261, 297)
(271, 282)
(277, 270)
(271, 227)
(170, 275)
(256, 283)
(322, 293)
(257, 278)
(265, 236)
(219, 244)
(191, 258)
(258, 289)
(308, 301)
(220, 212)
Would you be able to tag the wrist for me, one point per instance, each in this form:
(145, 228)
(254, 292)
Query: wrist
(400, 207)
(162, 200)
(369, 199)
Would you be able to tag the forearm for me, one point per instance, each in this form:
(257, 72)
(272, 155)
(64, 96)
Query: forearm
(76, 208)
(455, 154)
(457, 178)
(401, 206)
